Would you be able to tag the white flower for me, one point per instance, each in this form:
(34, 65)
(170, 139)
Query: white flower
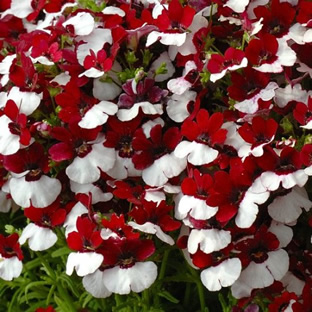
(222, 275)
(94, 284)
(136, 278)
(260, 275)
(40, 193)
(83, 262)
(39, 238)
(100, 158)
(208, 240)
(288, 208)
(10, 268)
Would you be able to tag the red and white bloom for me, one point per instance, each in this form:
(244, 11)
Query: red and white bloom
(10, 257)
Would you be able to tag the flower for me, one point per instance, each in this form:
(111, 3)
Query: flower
(10, 257)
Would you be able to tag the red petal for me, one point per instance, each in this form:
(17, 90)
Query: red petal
(74, 241)
(61, 151)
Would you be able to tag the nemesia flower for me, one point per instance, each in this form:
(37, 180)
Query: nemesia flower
(218, 65)
(15, 133)
(154, 218)
(152, 156)
(143, 95)
(258, 134)
(269, 54)
(85, 240)
(11, 257)
(262, 260)
(29, 181)
(40, 234)
(203, 135)
(126, 269)
(192, 201)
(125, 121)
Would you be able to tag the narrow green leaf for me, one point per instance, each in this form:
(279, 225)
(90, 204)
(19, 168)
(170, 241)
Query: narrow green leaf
(165, 294)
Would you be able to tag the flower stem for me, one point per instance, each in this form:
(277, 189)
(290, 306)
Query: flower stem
(200, 289)
(164, 264)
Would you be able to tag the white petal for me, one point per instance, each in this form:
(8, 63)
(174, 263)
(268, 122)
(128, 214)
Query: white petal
(178, 85)
(288, 208)
(165, 38)
(154, 195)
(9, 142)
(136, 278)
(237, 6)
(197, 208)
(198, 154)
(97, 115)
(250, 106)
(208, 240)
(278, 263)
(222, 275)
(248, 207)
(39, 238)
(5, 201)
(111, 10)
(83, 23)
(5, 65)
(290, 93)
(94, 41)
(217, 76)
(261, 275)
(97, 194)
(254, 276)
(72, 216)
(26, 101)
(21, 8)
(159, 172)
(296, 32)
(83, 262)
(105, 90)
(10, 268)
(152, 228)
(94, 284)
(92, 73)
(62, 79)
(99, 158)
(177, 105)
(147, 108)
(40, 193)
(147, 126)
(293, 283)
(283, 233)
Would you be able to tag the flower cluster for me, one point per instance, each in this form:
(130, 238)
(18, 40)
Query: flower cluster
(129, 125)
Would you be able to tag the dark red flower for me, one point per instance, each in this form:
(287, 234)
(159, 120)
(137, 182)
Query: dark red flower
(87, 237)
(206, 130)
(159, 144)
(156, 213)
(9, 246)
(263, 50)
(117, 225)
(49, 217)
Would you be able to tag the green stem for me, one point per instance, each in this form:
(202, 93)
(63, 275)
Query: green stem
(118, 300)
(146, 300)
(201, 295)
(200, 289)
(164, 264)
(65, 296)
(47, 266)
(187, 295)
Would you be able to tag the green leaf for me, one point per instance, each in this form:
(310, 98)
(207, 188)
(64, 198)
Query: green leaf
(60, 252)
(165, 294)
